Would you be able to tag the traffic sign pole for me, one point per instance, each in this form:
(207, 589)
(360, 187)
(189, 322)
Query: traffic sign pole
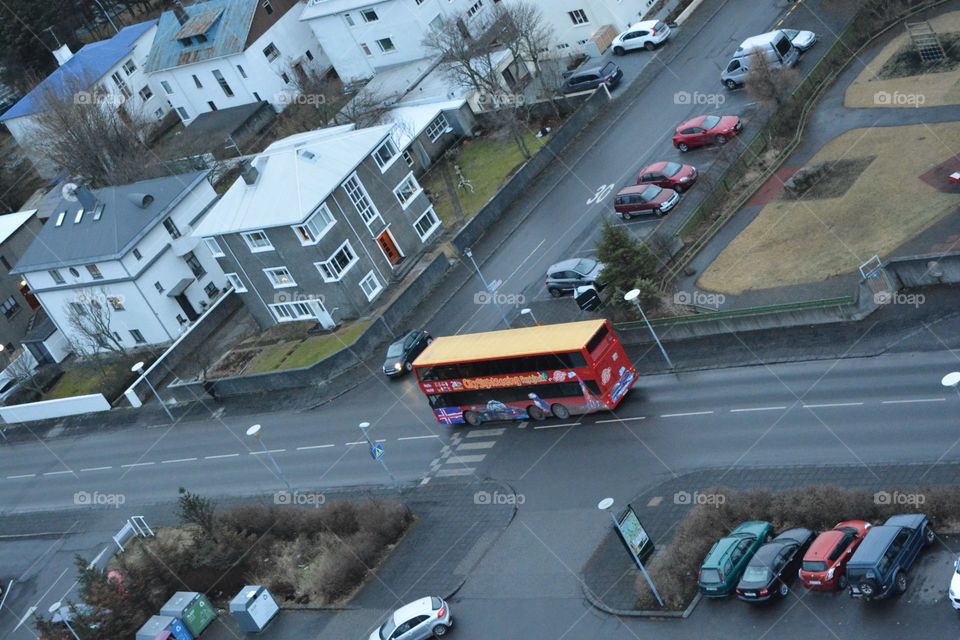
(377, 452)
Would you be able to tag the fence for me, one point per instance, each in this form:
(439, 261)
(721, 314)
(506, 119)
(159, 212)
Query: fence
(54, 408)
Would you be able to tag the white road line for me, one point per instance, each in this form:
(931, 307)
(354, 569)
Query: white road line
(465, 459)
(684, 415)
(832, 404)
(56, 473)
(475, 445)
(621, 419)
(96, 469)
(177, 460)
(480, 433)
(748, 409)
(532, 253)
(136, 464)
(315, 446)
(557, 426)
(417, 437)
(914, 400)
(25, 475)
(222, 455)
(350, 444)
(260, 453)
(460, 471)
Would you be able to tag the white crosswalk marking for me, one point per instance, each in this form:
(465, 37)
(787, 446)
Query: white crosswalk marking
(481, 433)
(465, 459)
(476, 445)
(456, 471)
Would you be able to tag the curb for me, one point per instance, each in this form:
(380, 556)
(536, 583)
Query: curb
(598, 604)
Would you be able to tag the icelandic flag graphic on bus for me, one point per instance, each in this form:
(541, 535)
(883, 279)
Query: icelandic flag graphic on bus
(450, 416)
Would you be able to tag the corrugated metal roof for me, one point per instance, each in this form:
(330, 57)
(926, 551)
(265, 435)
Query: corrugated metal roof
(226, 34)
(199, 24)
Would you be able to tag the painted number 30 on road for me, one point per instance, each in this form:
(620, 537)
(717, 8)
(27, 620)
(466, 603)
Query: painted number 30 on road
(601, 194)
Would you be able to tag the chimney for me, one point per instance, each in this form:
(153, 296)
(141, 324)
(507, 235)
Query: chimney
(63, 54)
(182, 16)
(250, 174)
(141, 200)
(87, 200)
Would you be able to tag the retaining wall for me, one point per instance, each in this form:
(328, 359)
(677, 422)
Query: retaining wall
(60, 408)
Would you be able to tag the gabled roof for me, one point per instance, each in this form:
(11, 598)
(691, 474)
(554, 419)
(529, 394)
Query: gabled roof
(225, 24)
(296, 174)
(410, 121)
(321, 8)
(122, 223)
(10, 222)
(84, 69)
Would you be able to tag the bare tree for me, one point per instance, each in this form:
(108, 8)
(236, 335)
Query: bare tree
(314, 106)
(90, 317)
(367, 109)
(768, 84)
(23, 369)
(521, 27)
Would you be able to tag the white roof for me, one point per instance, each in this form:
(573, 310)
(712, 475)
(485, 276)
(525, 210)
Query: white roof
(760, 40)
(296, 174)
(10, 222)
(320, 8)
(411, 120)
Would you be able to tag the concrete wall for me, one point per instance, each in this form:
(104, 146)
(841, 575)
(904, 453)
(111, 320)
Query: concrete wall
(54, 408)
(917, 271)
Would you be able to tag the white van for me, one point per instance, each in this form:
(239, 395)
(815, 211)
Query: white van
(774, 45)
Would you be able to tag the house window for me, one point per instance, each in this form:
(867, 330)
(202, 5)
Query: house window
(285, 77)
(366, 49)
(256, 96)
(386, 45)
(437, 128)
(257, 241)
(408, 157)
(146, 93)
(10, 307)
(117, 336)
(166, 87)
(292, 311)
(211, 290)
(212, 105)
(214, 247)
(339, 263)
(158, 287)
(315, 227)
(116, 302)
(121, 84)
(360, 199)
(271, 52)
(5, 263)
(74, 272)
(196, 81)
(158, 114)
(137, 336)
(243, 74)
(371, 286)
(348, 18)
(78, 309)
(426, 224)
(309, 55)
(385, 153)
(369, 15)
(129, 66)
(57, 276)
(195, 267)
(171, 228)
(236, 282)
(406, 190)
(137, 254)
(578, 16)
(94, 272)
(472, 11)
(280, 277)
(267, 7)
(223, 83)
(183, 113)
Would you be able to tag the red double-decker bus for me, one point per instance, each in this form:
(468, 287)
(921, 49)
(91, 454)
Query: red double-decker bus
(528, 373)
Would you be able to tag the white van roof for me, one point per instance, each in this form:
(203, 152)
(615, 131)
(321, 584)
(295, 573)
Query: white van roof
(761, 40)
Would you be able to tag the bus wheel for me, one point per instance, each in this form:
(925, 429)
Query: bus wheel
(472, 418)
(535, 412)
(560, 411)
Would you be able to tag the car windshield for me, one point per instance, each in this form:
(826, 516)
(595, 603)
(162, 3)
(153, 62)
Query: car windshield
(710, 122)
(671, 169)
(710, 576)
(814, 565)
(387, 629)
(756, 574)
(395, 350)
(650, 193)
(608, 69)
(585, 266)
(791, 33)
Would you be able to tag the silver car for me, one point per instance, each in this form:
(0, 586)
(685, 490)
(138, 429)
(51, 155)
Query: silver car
(425, 618)
(570, 274)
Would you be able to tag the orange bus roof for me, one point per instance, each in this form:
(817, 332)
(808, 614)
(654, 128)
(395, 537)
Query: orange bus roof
(551, 338)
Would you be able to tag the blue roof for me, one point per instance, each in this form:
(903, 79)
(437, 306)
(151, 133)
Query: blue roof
(225, 25)
(85, 68)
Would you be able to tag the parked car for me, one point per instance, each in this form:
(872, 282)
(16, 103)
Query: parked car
(879, 567)
(774, 46)
(722, 568)
(774, 566)
(646, 199)
(402, 353)
(704, 130)
(648, 35)
(825, 563)
(955, 585)
(567, 275)
(669, 175)
(424, 618)
(609, 74)
(802, 40)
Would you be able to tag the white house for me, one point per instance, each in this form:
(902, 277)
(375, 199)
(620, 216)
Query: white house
(110, 70)
(225, 53)
(129, 249)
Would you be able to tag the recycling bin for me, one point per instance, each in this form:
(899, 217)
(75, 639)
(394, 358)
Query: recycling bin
(253, 608)
(192, 608)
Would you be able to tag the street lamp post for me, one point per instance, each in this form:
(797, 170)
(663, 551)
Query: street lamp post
(952, 379)
(138, 368)
(631, 296)
(58, 607)
(107, 14)
(486, 286)
(529, 312)
(373, 452)
(254, 432)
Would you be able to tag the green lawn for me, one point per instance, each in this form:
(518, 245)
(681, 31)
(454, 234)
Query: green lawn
(486, 162)
(85, 379)
(294, 355)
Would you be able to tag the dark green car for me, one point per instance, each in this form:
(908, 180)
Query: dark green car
(724, 564)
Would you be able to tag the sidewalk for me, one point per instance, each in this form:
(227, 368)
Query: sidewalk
(609, 576)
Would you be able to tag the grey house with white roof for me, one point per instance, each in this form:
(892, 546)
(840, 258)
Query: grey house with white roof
(130, 250)
(320, 224)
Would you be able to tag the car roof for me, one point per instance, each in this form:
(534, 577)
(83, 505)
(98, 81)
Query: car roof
(719, 549)
(798, 535)
(769, 551)
(656, 166)
(909, 520)
(751, 526)
(415, 608)
(564, 264)
(634, 189)
(595, 69)
(874, 543)
(692, 122)
(644, 24)
(823, 545)
(759, 41)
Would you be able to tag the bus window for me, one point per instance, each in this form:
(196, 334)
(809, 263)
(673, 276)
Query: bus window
(597, 339)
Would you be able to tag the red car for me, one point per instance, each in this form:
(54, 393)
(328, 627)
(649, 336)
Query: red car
(669, 175)
(644, 199)
(704, 130)
(825, 562)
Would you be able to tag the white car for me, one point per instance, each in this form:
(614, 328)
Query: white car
(642, 35)
(424, 618)
(802, 40)
(955, 585)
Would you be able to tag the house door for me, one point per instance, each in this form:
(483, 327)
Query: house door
(187, 307)
(389, 247)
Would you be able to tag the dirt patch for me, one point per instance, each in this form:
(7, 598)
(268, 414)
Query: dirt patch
(233, 364)
(830, 179)
(907, 61)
